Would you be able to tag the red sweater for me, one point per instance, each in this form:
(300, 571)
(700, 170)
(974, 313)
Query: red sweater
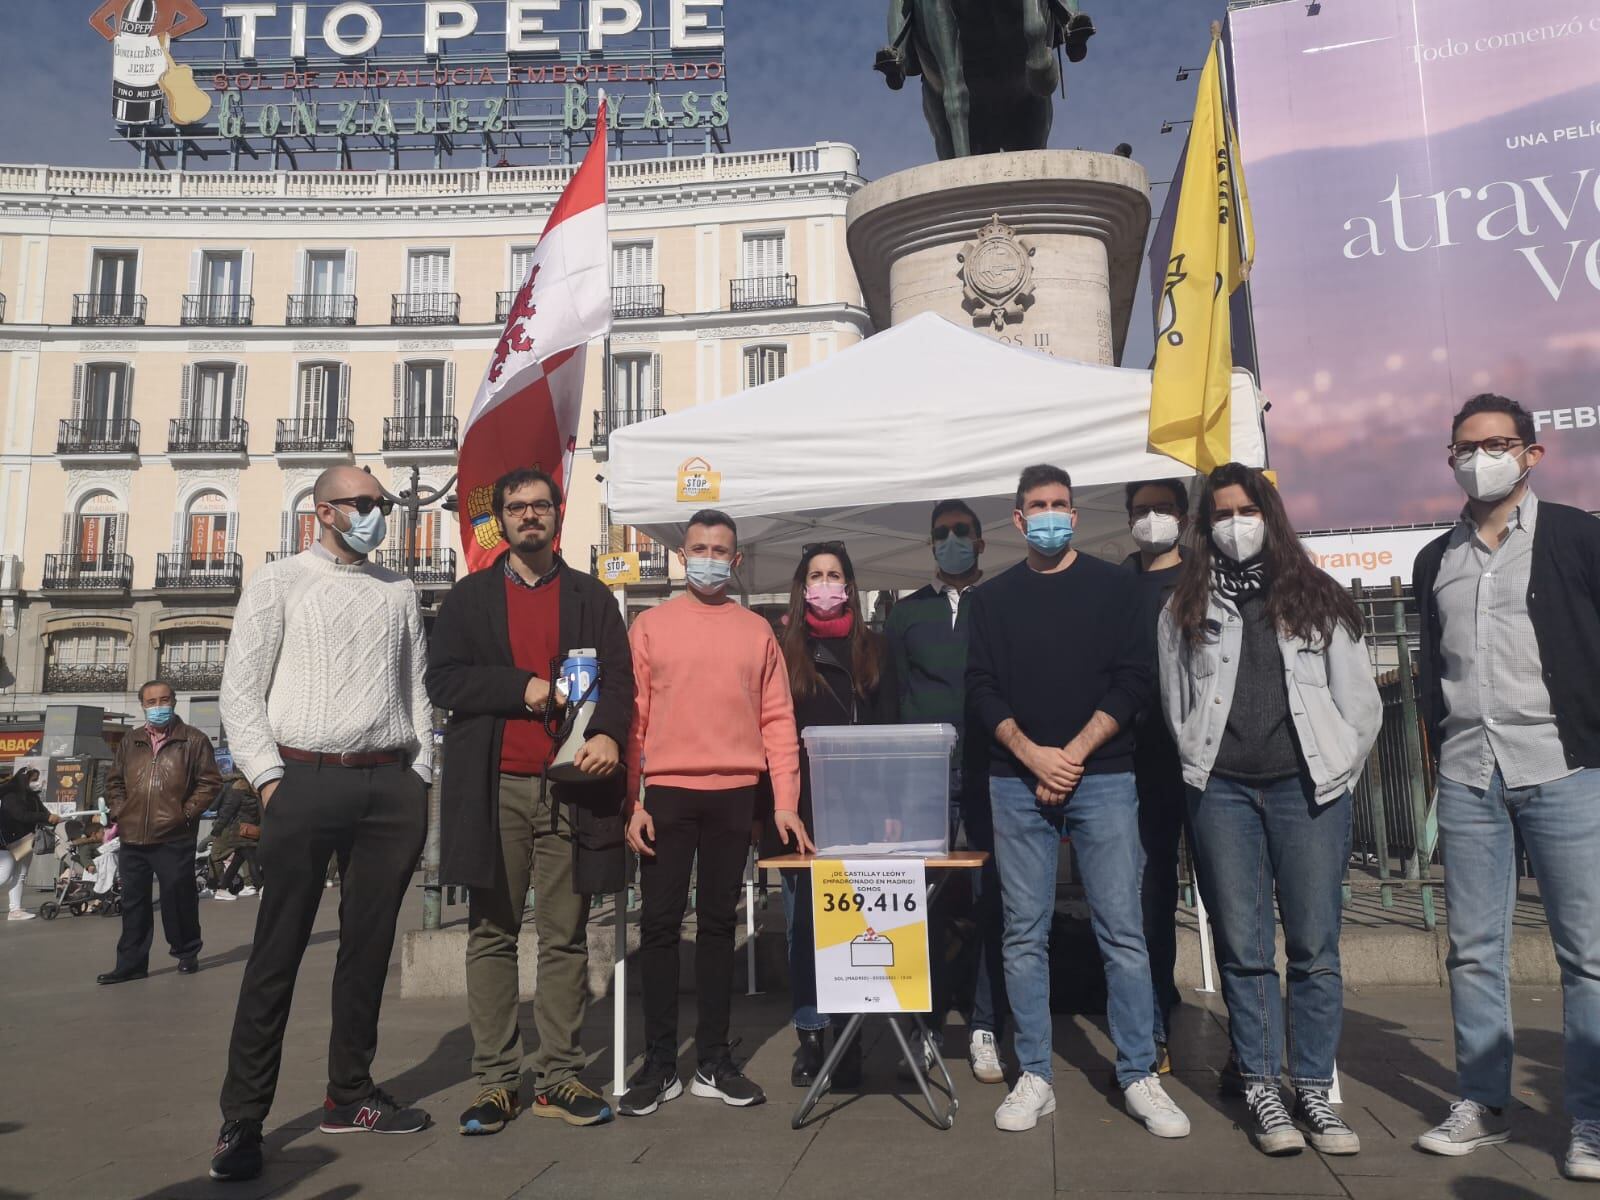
(533, 616)
(713, 709)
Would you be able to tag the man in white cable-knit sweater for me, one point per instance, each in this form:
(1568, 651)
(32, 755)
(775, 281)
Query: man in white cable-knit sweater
(326, 714)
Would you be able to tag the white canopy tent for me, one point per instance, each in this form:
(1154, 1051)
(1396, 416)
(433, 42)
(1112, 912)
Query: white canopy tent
(860, 446)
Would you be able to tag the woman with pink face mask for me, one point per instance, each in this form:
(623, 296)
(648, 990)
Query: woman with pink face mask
(840, 673)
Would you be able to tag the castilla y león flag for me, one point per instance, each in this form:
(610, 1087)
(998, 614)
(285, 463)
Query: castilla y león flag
(526, 411)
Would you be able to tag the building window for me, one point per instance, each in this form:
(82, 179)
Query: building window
(325, 289)
(633, 264)
(635, 386)
(427, 397)
(762, 256)
(192, 661)
(321, 398)
(521, 264)
(94, 534)
(428, 272)
(207, 532)
(764, 364)
(102, 398)
(211, 393)
(87, 660)
(115, 279)
(327, 272)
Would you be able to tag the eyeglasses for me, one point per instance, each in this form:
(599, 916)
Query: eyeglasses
(961, 530)
(1495, 447)
(810, 548)
(517, 509)
(365, 504)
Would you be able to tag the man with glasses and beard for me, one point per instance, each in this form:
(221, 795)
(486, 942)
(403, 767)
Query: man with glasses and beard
(504, 823)
(328, 719)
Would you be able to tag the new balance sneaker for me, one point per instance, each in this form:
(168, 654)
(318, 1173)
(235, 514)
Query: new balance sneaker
(653, 1084)
(1468, 1126)
(1031, 1099)
(1329, 1133)
(983, 1055)
(722, 1080)
(1583, 1152)
(379, 1112)
(573, 1102)
(1146, 1100)
(490, 1112)
(1272, 1130)
(238, 1153)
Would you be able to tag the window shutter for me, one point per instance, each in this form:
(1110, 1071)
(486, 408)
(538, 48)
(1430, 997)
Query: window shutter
(399, 396)
(449, 388)
(344, 389)
(751, 359)
(238, 390)
(127, 392)
(655, 381)
(247, 268)
(196, 265)
(350, 272)
(67, 521)
(300, 258)
(77, 391)
(285, 518)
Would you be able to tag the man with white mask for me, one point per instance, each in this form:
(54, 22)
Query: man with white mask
(329, 719)
(1158, 516)
(1510, 607)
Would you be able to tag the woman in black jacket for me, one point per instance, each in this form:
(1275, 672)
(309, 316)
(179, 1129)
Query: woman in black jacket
(21, 812)
(236, 833)
(840, 673)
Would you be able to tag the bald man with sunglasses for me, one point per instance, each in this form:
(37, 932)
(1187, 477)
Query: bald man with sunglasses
(328, 718)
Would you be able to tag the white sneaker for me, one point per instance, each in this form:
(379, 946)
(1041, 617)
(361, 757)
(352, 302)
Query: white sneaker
(20, 914)
(247, 890)
(1468, 1126)
(1148, 1101)
(224, 896)
(1031, 1099)
(984, 1056)
(1583, 1153)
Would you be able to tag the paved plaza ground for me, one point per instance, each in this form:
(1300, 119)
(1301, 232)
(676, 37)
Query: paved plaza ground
(111, 1092)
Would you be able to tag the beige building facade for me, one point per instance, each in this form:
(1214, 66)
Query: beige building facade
(181, 353)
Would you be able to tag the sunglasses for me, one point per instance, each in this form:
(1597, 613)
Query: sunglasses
(365, 504)
(963, 530)
(810, 548)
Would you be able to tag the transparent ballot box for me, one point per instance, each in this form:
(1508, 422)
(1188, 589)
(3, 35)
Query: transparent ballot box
(880, 789)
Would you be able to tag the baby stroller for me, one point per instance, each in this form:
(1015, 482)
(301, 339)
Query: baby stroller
(85, 883)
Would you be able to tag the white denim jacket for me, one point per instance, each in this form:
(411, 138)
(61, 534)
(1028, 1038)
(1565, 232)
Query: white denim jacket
(1333, 698)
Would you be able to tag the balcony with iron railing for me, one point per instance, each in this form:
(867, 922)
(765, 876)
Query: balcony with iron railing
(87, 572)
(85, 677)
(96, 308)
(429, 567)
(607, 422)
(182, 571)
(425, 308)
(432, 434)
(207, 436)
(652, 560)
(762, 291)
(219, 308)
(323, 436)
(192, 676)
(637, 301)
(338, 308)
(97, 436)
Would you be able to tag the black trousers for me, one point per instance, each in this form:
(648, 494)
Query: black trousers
(373, 821)
(715, 828)
(172, 865)
(1163, 816)
(243, 856)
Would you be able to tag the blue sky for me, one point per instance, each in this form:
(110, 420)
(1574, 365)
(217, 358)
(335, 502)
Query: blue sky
(799, 72)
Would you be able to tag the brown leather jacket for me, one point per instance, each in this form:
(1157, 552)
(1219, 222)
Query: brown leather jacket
(159, 798)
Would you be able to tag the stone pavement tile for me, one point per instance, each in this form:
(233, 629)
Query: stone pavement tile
(1473, 1178)
(586, 1179)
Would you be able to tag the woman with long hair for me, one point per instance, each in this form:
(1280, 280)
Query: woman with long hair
(1269, 693)
(840, 673)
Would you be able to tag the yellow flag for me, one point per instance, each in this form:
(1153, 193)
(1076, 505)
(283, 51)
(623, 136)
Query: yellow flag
(1209, 259)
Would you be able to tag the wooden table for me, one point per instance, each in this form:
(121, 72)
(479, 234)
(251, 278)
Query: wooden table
(941, 871)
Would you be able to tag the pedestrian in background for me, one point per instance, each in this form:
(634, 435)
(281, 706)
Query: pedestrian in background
(235, 834)
(22, 811)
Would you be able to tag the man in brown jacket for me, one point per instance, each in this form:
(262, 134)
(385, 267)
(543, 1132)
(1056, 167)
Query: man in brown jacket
(163, 778)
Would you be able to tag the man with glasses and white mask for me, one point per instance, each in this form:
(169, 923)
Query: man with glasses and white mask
(1510, 611)
(328, 718)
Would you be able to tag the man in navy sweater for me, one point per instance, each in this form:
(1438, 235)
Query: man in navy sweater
(1061, 661)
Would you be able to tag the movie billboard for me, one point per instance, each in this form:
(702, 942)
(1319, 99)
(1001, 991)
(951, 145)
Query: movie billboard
(1425, 176)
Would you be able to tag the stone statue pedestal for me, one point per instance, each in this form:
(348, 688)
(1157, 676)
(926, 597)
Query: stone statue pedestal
(1057, 273)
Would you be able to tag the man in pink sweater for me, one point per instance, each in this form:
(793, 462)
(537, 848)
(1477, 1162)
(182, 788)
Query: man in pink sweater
(713, 712)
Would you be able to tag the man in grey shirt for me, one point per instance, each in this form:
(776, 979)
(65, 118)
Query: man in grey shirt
(1510, 606)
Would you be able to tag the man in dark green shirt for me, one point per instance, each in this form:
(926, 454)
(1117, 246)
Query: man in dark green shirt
(927, 633)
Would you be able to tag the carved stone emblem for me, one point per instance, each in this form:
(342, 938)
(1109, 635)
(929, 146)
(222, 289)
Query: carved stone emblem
(997, 273)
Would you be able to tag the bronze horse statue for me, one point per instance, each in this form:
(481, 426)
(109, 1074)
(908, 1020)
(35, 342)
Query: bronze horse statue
(989, 69)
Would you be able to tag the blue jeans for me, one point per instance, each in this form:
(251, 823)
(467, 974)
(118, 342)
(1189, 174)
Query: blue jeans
(1251, 841)
(802, 950)
(1560, 826)
(1102, 818)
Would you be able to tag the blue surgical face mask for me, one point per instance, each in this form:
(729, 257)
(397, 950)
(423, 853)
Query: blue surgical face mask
(708, 575)
(955, 555)
(159, 715)
(366, 532)
(1050, 532)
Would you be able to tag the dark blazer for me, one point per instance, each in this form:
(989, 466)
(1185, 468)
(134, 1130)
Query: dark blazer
(1564, 604)
(472, 674)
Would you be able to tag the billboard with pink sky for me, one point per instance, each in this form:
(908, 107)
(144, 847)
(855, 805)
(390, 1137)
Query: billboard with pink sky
(1425, 177)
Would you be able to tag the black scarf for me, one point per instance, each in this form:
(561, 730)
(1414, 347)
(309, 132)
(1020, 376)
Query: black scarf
(1238, 581)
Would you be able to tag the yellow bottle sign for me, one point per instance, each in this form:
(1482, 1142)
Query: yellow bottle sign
(698, 483)
(618, 569)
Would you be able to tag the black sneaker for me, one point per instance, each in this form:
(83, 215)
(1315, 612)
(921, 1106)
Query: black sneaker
(722, 1080)
(490, 1112)
(1271, 1129)
(1329, 1133)
(378, 1113)
(238, 1153)
(652, 1085)
(573, 1102)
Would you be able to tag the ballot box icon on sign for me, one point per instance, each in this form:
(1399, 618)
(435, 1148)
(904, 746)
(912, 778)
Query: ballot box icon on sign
(871, 949)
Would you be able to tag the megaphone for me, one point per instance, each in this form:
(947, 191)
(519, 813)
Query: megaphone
(578, 687)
